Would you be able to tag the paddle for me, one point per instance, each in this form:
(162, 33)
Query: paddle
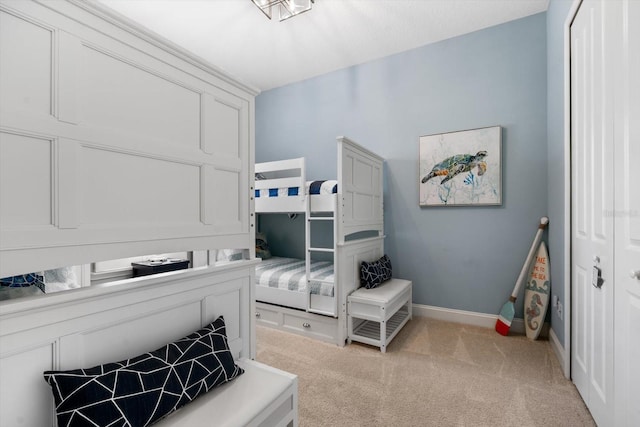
(503, 323)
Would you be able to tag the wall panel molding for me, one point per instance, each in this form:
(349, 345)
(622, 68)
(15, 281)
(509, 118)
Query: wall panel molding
(37, 97)
(149, 152)
(69, 63)
(66, 177)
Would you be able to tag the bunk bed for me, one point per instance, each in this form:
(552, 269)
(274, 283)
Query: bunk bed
(308, 296)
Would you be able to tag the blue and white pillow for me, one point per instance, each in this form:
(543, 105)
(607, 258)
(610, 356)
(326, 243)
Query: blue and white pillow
(24, 285)
(374, 273)
(24, 281)
(138, 392)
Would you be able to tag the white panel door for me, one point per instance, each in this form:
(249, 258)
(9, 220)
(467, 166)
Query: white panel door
(592, 219)
(627, 214)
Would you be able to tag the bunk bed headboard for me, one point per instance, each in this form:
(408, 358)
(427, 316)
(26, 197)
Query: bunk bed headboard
(360, 189)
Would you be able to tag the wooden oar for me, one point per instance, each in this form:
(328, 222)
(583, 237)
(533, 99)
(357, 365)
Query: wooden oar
(503, 323)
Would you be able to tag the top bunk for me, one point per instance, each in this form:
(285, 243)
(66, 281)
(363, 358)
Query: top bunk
(281, 187)
(354, 198)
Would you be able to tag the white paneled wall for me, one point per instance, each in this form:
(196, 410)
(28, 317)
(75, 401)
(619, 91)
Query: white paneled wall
(114, 144)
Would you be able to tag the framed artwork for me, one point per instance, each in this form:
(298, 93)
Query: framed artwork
(462, 168)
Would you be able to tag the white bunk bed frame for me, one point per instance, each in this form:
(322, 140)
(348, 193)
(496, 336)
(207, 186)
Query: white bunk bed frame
(356, 207)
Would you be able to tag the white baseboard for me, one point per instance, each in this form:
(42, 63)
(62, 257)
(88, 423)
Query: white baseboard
(558, 349)
(471, 318)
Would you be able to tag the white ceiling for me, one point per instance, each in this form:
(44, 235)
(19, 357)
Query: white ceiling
(236, 37)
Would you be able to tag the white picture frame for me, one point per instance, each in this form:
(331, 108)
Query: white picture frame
(461, 168)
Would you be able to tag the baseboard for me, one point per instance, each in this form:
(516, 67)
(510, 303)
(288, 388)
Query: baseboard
(558, 349)
(471, 318)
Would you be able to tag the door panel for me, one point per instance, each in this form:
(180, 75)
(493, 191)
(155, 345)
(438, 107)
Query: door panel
(592, 203)
(627, 220)
(579, 197)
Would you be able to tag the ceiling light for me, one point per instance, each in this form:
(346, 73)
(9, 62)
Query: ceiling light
(288, 8)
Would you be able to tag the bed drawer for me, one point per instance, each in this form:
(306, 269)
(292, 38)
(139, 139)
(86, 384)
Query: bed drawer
(313, 327)
(266, 316)
(299, 322)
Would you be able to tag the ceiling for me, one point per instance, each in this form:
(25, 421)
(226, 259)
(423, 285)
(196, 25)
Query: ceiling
(235, 36)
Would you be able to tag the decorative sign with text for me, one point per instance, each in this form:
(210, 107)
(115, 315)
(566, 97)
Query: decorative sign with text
(536, 293)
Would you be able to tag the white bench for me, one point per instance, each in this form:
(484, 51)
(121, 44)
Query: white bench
(262, 396)
(375, 316)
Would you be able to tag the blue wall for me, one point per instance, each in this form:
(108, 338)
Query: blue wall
(556, 17)
(462, 258)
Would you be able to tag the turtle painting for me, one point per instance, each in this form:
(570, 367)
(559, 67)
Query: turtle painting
(452, 166)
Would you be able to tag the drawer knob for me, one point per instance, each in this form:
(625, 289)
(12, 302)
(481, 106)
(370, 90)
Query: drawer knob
(257, 314)
(306, 325)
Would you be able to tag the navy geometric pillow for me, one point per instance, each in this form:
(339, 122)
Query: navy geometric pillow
(23, 281)
(139, 391)
(374, 273)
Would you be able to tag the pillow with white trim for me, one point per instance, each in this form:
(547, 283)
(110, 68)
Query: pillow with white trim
(138, 392)
(374, 273)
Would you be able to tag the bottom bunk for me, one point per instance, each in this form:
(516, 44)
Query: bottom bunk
(284, 300)
(283, 281)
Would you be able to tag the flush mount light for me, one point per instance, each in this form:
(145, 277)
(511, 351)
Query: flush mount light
(288, 8)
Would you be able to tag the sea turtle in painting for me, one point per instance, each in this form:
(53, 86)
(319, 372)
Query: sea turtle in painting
(454, 165)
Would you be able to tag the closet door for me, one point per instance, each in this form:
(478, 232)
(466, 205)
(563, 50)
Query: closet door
(627, 193)
(592, 221)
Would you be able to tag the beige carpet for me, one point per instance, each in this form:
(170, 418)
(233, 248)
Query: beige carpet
(433, 374)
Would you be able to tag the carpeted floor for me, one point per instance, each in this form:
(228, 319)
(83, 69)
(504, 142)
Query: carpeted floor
(433, 374)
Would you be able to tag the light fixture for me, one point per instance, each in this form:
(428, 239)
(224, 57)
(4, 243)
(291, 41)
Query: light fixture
(288, 8)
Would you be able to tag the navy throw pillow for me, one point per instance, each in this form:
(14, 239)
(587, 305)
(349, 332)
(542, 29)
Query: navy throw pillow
(262, 247)
(138, 392)
(374, 273)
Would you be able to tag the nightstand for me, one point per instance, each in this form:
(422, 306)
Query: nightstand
(375, 316)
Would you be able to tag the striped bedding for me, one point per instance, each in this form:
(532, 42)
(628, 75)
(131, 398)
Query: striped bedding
(289, 274)
(329, 186)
